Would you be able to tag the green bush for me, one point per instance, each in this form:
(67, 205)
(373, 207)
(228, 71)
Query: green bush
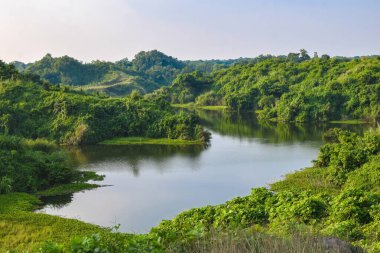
(77, 119)
(303, 207)
(354, 205)
(28, 166)
(346, 152)
(5, 185)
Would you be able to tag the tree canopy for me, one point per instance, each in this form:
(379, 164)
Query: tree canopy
(294, 88)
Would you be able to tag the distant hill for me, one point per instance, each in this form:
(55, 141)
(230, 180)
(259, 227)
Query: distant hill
(20, 66)
(147, 72)
(296, 88)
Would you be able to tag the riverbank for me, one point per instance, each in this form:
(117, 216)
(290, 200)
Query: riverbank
(149, 141)
(203, 107)
(331, 199)
(22, 229)
(25, 231)
(338, 197)
(349, 122)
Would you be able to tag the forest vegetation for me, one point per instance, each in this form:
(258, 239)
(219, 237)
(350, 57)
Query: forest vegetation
(339, 197)
(36, 117)
(52, 102)
(293, 88)
(146, 72)
(41, 110)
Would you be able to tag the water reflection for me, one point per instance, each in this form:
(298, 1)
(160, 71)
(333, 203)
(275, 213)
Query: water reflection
(133, 158)
(246, 125)
(59, 201)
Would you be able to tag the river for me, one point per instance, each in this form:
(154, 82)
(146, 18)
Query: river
(150, 183)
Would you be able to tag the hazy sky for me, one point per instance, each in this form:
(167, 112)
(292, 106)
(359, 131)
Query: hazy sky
(186, 29)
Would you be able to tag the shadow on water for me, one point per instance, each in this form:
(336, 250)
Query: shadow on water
(246, 125)
(133, 155)
(58, 201)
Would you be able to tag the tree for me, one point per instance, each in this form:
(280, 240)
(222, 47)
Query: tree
(304, 55)
(5, 184)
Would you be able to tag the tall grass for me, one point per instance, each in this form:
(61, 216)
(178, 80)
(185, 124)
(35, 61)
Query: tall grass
(309, 179)
(243, 242)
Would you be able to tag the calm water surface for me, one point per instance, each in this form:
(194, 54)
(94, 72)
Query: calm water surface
(152, 183)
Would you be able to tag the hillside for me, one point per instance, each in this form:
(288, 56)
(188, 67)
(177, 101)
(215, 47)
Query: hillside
(146, 72)
(288, 88)
(36, 109)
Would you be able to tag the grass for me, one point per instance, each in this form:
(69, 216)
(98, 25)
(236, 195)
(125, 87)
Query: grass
(26, 230)
(149, 141)
(213, 107)
(79, 185)
(258, 242)
(349, 122)
(15, 201)
(188, 105)
(21, 229)
(309, 179)
(85, 176)
(204, 107)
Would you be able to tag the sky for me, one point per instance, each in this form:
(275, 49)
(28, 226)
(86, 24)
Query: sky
(186, 29)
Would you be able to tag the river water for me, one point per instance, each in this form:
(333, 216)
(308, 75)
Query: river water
(149, 183)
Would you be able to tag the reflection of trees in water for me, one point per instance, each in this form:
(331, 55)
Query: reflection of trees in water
(130, 157)
(58, 201)
(241, 125)
(246, 125)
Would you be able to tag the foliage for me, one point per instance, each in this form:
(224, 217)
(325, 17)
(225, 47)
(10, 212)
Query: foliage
(14, 202)
(28, 167)
(5, 184)
(339, 196)
(67, 70)
(349, 211)
(114, 243)
(346, 152)
(146, 72)
(295, 88)
(26, 230)
(309, 179)
(186, 87)
(365, 178)
(149, 141)
(35, 111)
(248, 241)
(309, 199)
(304, 207)
(9, 71)
(286, 88)
(157, 66)
(66, 189)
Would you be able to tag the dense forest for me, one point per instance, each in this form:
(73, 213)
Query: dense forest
(295, 87)
(287, 88)
(146, 72)
(41, 110)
